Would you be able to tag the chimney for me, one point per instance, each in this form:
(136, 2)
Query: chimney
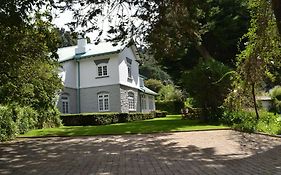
(81, 45)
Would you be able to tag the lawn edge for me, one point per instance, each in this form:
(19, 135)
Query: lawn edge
(169, 132)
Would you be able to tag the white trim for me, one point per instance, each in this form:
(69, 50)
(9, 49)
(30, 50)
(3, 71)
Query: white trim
(103, 102)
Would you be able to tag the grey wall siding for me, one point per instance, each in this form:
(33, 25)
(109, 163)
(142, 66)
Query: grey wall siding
(72, 96)
(124, 90)
(89, 98)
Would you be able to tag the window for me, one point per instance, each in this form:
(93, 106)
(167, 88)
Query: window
(102, 70)
(150, 103)
(143, 102)
(103, 102)
(65, 104)
(131, 100)
(129, 65)
(129, 70)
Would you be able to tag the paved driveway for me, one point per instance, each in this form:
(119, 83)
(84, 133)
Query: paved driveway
(210, 152)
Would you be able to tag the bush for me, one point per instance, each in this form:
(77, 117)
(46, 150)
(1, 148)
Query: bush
(16, 120)
(208, 84)
(246, 121)
(172, 107)
(88, 119)
(153, 84)
(8, 126)
(275, 94)
(48, 118)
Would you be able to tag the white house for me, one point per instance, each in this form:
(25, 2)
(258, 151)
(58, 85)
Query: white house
(102, 78)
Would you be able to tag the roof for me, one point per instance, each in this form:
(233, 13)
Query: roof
(147, 91)
(68, 53)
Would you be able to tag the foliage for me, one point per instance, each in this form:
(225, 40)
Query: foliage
(16, 120)
(170, 123)
(170, 93)
(259, 59)
(68, 38)
(275, 94)
(245, 121)
(208, 84)
(153, 84)
(29, 79)
(86, 119)
(172, 107)
(154, 71)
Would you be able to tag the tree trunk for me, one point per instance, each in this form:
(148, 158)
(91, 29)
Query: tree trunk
(255, 102)
(203, 52)
(276, 6)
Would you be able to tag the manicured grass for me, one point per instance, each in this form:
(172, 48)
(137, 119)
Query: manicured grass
(169, 124)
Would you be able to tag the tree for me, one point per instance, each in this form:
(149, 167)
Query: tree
(262, 53)
(276, 6)
(29, 67)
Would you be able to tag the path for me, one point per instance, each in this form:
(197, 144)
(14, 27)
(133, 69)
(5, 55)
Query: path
(209, 152)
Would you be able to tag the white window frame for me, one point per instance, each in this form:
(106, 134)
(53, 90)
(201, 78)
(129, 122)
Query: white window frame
(131, 101)
(103, 102)
(65, 104)
(150, 103)
(102, 70)
(143, 102)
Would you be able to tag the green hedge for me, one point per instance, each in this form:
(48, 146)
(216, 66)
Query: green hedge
(246, 121)
(88, 119)
(15, 119)
(172, 107)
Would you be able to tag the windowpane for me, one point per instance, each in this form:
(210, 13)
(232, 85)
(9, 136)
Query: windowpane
(106, 106)
(131, 101)
(104, 70)
(129, 70)
(99, 71)
(103, 102)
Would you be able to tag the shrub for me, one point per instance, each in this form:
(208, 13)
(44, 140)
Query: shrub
(16, 120)
(48, 118)
(8, 126)
(208, 83)
(26, 118)
(246, 121)
(275, 94)
(87, 119)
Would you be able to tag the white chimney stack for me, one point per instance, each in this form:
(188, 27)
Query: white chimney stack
(81, 45)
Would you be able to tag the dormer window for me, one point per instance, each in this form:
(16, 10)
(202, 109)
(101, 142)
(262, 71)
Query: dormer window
(129, 65)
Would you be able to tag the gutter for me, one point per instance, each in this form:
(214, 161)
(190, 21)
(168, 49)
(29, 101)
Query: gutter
(78, 88)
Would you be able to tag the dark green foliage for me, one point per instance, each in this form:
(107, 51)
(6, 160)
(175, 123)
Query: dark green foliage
(275, 94)
(16, 120)
(154, 84)
(88, 119)
(154, 71)
(172, 107)
(246, 121)
(208, 83)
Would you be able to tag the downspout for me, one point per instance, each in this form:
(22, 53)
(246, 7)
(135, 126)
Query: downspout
(78, 88)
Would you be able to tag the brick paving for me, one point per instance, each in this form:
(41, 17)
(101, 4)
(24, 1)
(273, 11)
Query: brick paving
(206, 152)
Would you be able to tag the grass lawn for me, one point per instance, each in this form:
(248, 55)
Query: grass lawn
(168, 124)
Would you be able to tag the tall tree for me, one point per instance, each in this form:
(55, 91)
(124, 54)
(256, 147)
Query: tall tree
(262, 53)
(276, 5)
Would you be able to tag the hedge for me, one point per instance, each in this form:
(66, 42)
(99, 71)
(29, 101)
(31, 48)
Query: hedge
(15, 119)
(88, 119)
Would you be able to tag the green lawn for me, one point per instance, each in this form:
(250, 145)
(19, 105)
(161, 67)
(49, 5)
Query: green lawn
(169, 124)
